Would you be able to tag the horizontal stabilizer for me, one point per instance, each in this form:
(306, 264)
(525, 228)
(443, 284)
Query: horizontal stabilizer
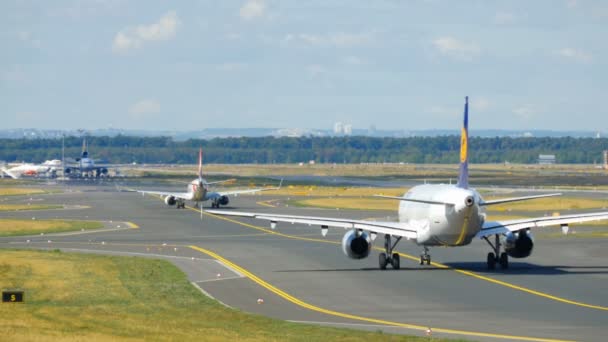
(415, 200)
(517, 199)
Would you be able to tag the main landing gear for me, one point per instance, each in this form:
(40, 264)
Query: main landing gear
(215, 204)
(496, 257)
(425, 257)
(180, 204)
(389, 257)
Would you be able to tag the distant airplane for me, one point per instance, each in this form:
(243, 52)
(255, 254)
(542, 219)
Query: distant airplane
(86, 166)
(437, 215)
(198, 191)
(33, 170)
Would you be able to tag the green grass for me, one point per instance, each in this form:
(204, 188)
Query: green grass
(92, 297)
(17, 227)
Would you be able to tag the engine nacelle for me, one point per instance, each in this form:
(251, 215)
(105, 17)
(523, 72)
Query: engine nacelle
(356, 245)
(103, 171)
(519, 244)
(223, 200)
(67, 170)
(170, 200)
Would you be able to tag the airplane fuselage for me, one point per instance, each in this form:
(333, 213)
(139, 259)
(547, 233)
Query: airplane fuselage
(443, 225)
(198, 191)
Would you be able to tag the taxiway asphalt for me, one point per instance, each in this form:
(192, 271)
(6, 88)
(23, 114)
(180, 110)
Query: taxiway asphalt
(559, 293)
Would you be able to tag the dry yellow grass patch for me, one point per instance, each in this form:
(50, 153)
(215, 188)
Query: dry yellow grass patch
(301, 190)
(552, 204)
(20, 191)
(17, 207)
(82, 297)
(13, 227)
(365, 203)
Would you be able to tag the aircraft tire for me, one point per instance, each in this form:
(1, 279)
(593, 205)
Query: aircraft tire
(382, 261)
(504, 261)
(395, 261)
(491, 261)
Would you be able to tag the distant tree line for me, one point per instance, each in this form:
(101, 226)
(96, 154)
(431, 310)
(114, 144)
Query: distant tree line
(266, 150)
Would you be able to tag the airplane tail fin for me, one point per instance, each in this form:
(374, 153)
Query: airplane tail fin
(463, 176)
(200, 164)
(85, 152)
(10, 174)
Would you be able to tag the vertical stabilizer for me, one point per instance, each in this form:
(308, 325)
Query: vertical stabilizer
(200, 164)
(85, 152)
(463, 176)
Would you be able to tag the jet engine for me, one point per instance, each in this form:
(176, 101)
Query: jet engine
(170, 200)
(223, 200)
(356, 244)
(519, 244)
(67, 171)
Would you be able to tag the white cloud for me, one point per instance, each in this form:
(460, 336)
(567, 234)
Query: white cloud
(135, 37)
(143, 107)
(353, 60)
(27, 38)
(339, 39)
(252, 9)
(575, 54)
(480, 104)
(456, 48)
(525, 112)
(504, 18)
(571, 3)
(315, 69)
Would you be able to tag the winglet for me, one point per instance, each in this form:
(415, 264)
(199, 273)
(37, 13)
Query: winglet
(463, 176)
(200, 163)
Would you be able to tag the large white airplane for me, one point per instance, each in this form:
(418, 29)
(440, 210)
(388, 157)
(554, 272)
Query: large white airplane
(34, 170)
(437, 215)
(86, 166)
(198, 191)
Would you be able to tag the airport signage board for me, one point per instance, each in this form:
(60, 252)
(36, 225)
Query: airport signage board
(12, 296)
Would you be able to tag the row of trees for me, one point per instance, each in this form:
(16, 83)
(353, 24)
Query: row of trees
(358, 149)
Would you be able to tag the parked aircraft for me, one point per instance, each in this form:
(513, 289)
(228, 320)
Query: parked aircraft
(85, 166)
(198, 191)
(437, 215)
(33, 170)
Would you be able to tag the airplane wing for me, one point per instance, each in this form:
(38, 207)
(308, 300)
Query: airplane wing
(379, 227)
(222, 181)
(183, 195)
(505, 226)
(245, 191)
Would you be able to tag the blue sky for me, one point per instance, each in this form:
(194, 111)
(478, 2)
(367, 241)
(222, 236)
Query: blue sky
(186, 65)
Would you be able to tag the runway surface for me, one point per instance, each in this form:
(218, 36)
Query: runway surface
(559, 293)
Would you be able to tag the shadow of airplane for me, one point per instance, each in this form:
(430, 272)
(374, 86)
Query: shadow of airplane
(478, 267)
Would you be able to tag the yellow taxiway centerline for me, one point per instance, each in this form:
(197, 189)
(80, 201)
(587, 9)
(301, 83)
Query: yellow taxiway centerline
(305, 305)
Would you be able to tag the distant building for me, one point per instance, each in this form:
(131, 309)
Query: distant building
(348, 129)
(546, 159)
(606, 159)
(338, 128)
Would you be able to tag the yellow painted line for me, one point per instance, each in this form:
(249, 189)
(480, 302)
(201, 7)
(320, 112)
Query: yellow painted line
(315, 308)
(411, 257)
(132, 225)
(266, 204)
